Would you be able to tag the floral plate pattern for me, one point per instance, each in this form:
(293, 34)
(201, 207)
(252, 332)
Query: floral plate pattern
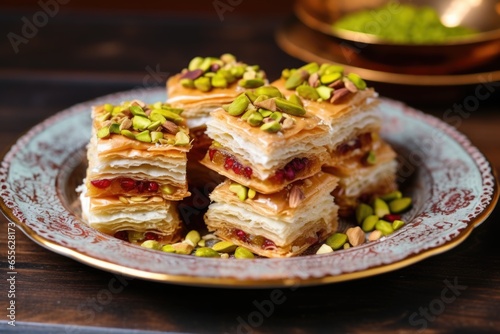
(452, 184)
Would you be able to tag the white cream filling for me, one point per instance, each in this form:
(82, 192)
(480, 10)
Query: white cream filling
(281, 231)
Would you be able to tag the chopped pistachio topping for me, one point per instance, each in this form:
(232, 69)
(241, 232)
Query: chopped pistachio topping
(207, 73)
(156, 123)
(325, 82)
(265, 107)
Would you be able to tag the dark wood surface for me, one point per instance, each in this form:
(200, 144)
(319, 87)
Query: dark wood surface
(78, 57)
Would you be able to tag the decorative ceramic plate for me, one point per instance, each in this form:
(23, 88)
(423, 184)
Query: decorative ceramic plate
(450, 181)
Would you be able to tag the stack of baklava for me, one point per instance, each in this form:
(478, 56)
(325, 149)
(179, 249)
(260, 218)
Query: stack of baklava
(365, 164)
(276, 201)
(137, 171)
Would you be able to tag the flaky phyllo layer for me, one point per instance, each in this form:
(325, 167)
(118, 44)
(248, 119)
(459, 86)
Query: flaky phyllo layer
(276, 225)
(137, 159)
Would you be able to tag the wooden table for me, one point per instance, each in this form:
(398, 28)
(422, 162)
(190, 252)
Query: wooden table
(76, 58)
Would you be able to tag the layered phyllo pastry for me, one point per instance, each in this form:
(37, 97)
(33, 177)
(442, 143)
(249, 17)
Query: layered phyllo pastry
(265, 141)
(203, 86)
(281, 224)
(362, 181)
(342, 101)
(136, 171)
(364, 163)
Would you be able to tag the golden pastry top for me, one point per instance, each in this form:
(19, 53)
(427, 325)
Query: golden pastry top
(295, 196)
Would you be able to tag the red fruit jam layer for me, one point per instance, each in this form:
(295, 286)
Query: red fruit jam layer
(103, 187)
(266, 244)
(290, 172)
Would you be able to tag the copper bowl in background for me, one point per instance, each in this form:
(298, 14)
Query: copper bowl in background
(480, 47)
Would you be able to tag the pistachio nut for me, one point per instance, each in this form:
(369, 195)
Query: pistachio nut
(240, 190)
(384, 226)
(128, 134)
(285, 73)
(270, 91)
(104, 117)
(356, 236)
(192, 238)
(243, 253)
(362, 211)
(170, 127)
(336, 240)
(271, 127)
(251, 96)
(195, 63)
(265, 112)
(357, 81)
(144, 136)
(219, 81)
(307, 92)
(247, 114)
(290, 107)
(296, 79)
(397, 224)
(369, 223)
(123, 199)
(138, 199)
(324, 92)
(228, 58)
(151, 244)
(137, 111)
(168, 249)
(108, 107)
(324, 249)
(276, 116)
(338, 94)
(350, 86)
(239, 105)
(333, 69)
(255, 119)
(168, 114)
(183, 248)
(311, 68)
(187, 83)
(375, 235)
(326, 79)
(154, 125)
(224, 247)
(156, 117)
(156, 136)
(140, 123)
(125, 124)
(203, 84)
(166, 189)
(400, 205)
(294, 98)
(103, 132)
(288, 123)
(251, 193)
(181, 139)
(371, 158)
(206, 252)
(205, 64)
(380, 207)
(392, 196)
(251, 83)
(269, 104)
